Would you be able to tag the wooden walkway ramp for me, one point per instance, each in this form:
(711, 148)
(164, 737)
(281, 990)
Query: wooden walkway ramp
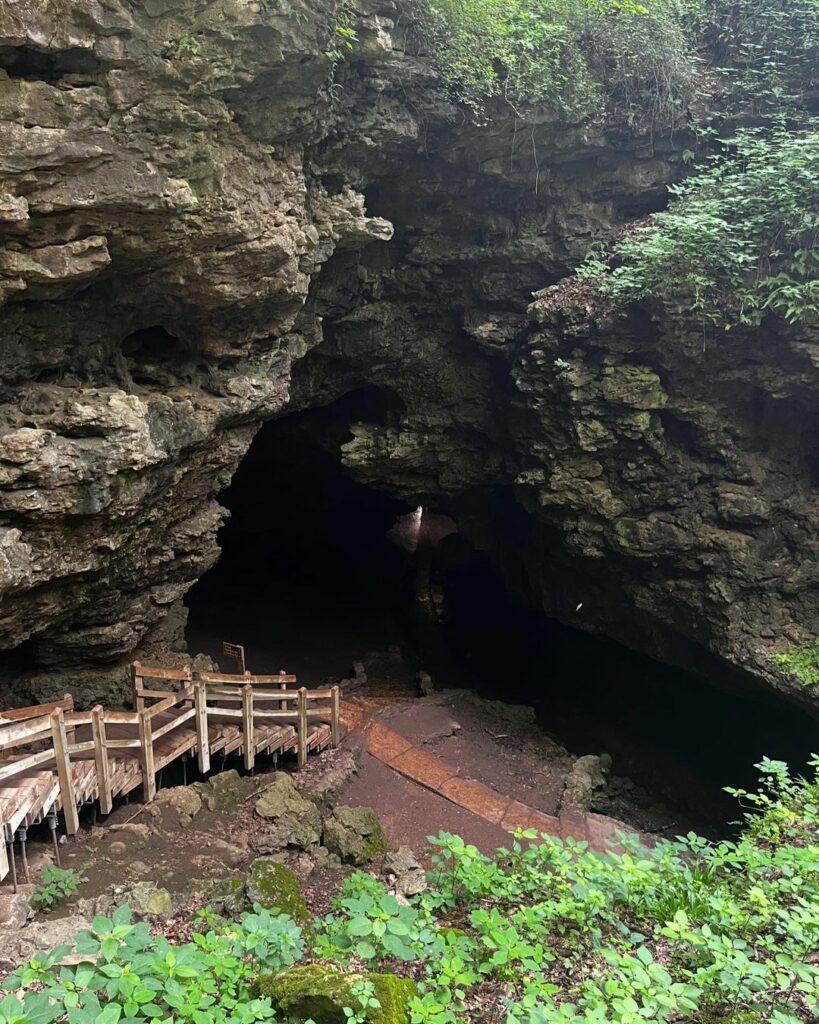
(54, 759)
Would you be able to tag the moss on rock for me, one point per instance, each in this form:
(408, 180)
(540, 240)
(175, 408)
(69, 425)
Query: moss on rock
(274, 886)
(225, 895)
(313, 992)
(354, 834)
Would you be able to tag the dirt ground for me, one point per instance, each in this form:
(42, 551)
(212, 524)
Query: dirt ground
(497, 744)
(493, 743)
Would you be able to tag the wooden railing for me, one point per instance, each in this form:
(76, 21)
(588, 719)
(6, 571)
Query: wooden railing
(54, 736)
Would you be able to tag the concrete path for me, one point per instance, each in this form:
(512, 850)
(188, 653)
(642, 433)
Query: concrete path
(431, 772)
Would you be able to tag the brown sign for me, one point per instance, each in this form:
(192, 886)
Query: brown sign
(235, 651)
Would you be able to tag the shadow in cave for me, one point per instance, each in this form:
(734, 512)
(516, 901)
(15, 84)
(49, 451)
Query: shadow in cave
(677, 737)
(308, 581)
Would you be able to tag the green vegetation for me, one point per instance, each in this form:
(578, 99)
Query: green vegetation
(275, 887)
(551, 933)
(56, 885)
(764, 51)
(738, 240)
(579, 57)
(801, 662)
(130, 975)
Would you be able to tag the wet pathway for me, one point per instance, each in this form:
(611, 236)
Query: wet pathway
(436, 775)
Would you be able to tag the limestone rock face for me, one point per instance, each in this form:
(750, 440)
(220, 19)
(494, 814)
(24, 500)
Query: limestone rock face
(186, 252)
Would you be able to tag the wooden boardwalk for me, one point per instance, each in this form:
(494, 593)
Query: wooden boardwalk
(54, 759)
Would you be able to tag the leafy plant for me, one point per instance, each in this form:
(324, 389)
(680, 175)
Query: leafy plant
(579, 57)
(56, 885)
(370, 923)
(188, 46)
(131, 975)
(738, 240)
(801, 662)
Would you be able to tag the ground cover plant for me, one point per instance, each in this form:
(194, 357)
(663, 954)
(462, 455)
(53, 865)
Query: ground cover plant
(56, 885)
(542, 933)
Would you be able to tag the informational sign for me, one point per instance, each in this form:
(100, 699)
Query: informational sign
(235, 651)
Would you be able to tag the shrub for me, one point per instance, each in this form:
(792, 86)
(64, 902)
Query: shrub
(576, 56)
(738, 240)
(131, 975)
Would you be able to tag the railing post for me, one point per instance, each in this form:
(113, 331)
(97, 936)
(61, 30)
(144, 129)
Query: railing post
(247, 725)
(4, 857)
(200, 696)
(70, 730)
(101, 759)
(282, 686)
(146, 744)
(67, 797)
(302, 727)
(335, 709)
(136, 680)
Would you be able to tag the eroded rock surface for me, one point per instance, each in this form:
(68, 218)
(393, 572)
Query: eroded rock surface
(187, 252)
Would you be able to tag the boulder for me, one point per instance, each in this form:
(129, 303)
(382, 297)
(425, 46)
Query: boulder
(404, 873)
(222, 792)
(226, 896)
(588, 774)
(17, 945)
(294, 820)
(275, 887)
(425, 684)
(146, 900)
(182, 801)
(320, 994)
(354, 834)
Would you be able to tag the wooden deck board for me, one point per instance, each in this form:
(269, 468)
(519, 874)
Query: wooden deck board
(31, 792)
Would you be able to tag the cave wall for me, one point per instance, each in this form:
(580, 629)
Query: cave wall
(204, 225)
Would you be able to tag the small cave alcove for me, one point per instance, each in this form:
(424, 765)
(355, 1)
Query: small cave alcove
(308, 581)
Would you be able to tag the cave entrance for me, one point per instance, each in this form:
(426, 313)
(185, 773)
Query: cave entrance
(309, 582)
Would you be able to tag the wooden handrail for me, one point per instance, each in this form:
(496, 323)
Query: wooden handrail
(203, 700)
(155, 672)
(17, 733)
(37, 710)
(169, 702)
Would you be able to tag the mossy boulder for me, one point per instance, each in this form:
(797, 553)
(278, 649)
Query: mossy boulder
(223, 792)
(275, 886)
(320, 993)
(354, 834)
(294, 821)
(225, 895)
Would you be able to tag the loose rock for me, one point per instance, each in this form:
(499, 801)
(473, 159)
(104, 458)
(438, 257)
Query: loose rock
(354, 834)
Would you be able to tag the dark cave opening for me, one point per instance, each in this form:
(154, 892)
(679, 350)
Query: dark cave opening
(308, 581)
